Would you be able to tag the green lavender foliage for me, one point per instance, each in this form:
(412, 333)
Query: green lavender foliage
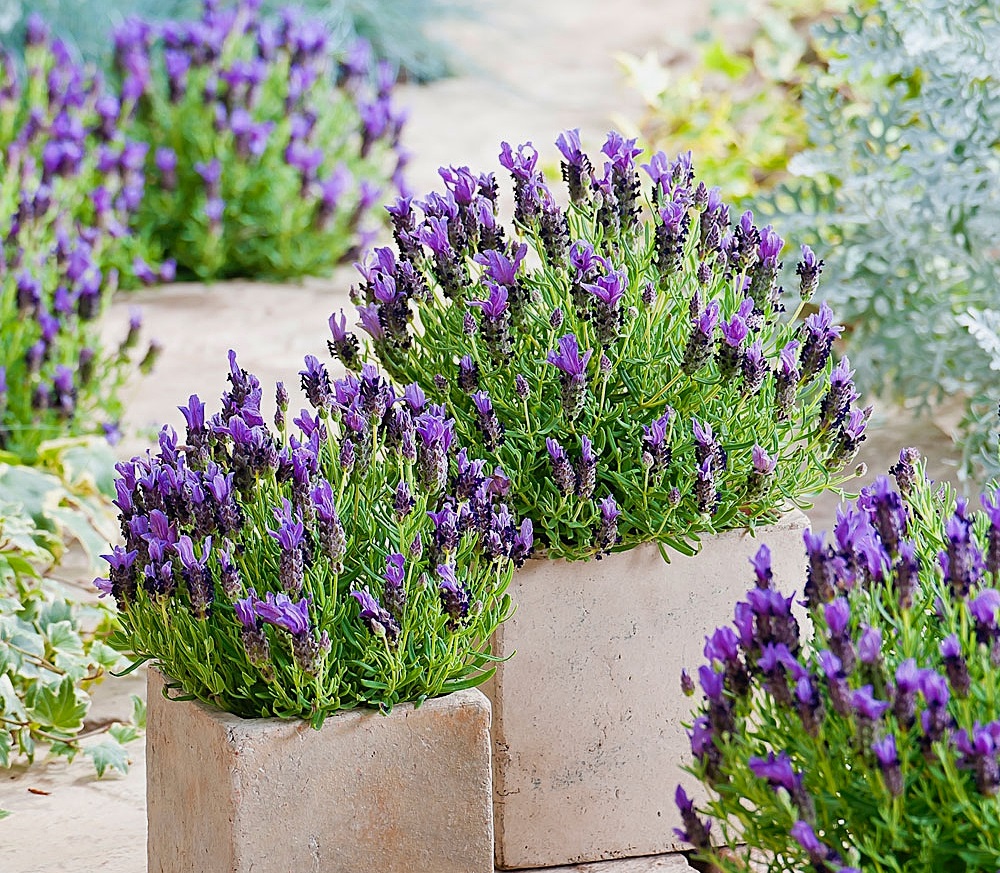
(900, 183)
(936, 808)
(54, 642)
(400, 31)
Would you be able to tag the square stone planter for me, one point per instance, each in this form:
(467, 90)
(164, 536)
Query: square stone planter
(587, 735)
(401, 793)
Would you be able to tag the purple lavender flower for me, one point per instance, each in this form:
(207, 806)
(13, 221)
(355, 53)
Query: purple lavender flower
(607, 531)
(454, 597)
(487, 421)
(870, 645)
(961, 561)
(586, 469)
(282, 612)
(562, 469)
(572, 374)
(808, 271)
(848, 438)
(121, 582)
(904, 470)
(607, 293)
(840, 395)
(290, 536)
(762, 467)
(956, 666)
(698, 350)
(576, 166)
(197, 575)
(979, 754)
(435, 436)
(819, 332)
(777, 770)
(527, 181)
(934, 720)
(495, 325)
(378, 620)
(696, 832)
(393, 592)
(655, 445)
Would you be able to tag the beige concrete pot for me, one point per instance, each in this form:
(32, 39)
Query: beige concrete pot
(401, 793)
(587, 735)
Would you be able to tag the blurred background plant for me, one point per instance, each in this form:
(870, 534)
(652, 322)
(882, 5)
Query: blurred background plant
(901, 182)
(268, 146)
(68, 189)
(53, 636)
(876, 126)
(733, 96)
(400, 31)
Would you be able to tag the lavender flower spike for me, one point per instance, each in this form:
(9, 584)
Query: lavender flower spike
(279, 610)
(568, 359)
(573, 370)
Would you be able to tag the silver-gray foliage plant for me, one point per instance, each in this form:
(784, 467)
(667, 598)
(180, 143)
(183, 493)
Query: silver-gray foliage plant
(901, 184)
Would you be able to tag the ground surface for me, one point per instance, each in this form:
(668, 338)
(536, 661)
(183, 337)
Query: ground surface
(536, 69)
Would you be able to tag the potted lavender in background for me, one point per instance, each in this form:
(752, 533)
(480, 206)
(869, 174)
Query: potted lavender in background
(629, 359)
(296, 573)
(268, 144)
(873, 745)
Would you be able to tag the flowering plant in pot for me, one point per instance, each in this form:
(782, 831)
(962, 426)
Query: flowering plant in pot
(874, 744)
(70, 182)
(630, 361)
(268, 144)
(352, 558)
(639, 376)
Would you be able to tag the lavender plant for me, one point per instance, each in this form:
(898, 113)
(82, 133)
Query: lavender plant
(69, 184)
(267, 147)
(873, 745)
(639, 377)
(355, 556)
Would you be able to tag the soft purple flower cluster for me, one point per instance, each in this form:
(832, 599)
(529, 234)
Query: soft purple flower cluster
(75, 181)
(271, 96)
(882, 677)
(194, 514)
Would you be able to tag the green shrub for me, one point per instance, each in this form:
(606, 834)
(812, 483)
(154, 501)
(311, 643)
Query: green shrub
(399, 30)
(900, 184)
(733, 95)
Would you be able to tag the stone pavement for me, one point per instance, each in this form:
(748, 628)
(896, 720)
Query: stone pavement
(535, 69)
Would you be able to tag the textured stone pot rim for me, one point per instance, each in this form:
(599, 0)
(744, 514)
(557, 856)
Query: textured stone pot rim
(784, 519)
(357, 712)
